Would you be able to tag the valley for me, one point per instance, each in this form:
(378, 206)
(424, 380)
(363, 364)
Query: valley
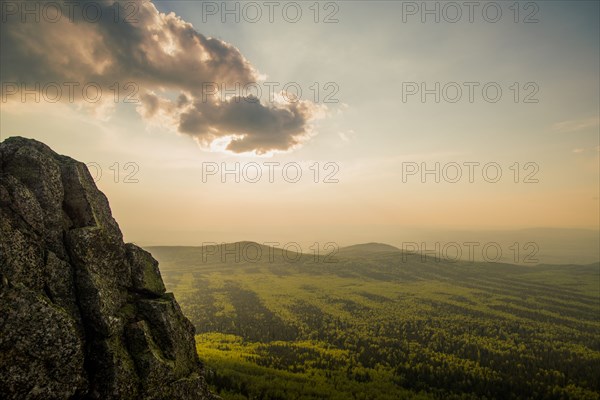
(377, 323)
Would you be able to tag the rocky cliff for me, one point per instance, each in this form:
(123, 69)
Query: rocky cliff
(82, 314)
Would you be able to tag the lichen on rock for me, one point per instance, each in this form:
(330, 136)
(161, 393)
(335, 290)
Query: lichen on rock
(82, 314)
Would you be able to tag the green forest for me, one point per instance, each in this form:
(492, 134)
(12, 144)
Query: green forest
(375, 323)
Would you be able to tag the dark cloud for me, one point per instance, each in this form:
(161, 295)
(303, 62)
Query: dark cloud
(257, 127)
(159, 53)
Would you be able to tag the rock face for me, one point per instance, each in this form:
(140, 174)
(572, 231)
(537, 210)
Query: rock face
(82, 314)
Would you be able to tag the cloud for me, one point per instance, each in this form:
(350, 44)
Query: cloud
(580, 150)
(252, 125)
(577, 125)
(162, 60)
(347, 136)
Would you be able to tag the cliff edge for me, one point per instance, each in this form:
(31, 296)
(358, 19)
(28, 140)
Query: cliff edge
(82, 314)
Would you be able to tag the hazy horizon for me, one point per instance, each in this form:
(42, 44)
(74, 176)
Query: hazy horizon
(377, 161)
(536, 245)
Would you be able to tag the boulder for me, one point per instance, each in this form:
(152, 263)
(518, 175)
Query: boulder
(82, 314)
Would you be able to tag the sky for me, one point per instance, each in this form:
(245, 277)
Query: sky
(510, 115)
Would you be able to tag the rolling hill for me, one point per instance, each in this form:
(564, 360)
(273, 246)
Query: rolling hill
(373, 322)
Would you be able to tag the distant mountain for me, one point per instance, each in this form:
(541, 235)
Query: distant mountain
(232, 254)
(367, 249)
(251, 253)
(547, 245)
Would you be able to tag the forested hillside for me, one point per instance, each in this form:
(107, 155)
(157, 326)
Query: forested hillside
(375, 323)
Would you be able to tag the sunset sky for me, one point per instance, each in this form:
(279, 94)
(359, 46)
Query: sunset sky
(371, 56)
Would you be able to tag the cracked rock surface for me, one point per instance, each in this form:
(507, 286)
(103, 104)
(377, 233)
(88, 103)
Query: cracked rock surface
(82, 314)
